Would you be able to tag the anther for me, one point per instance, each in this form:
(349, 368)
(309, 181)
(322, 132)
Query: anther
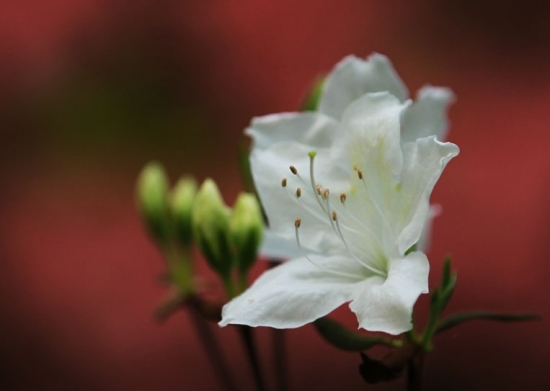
(283, 182)
(318, 187)
(298, 192)
(360, 174)
(325, 194)
(334, 216)
(293, 170)
(297, 223)
(343, 197)
(355, 167)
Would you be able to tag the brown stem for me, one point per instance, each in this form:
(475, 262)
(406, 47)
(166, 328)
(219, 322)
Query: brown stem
(247, 335)
(212, 348)
(414, 372)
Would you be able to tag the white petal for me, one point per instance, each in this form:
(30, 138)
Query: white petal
(277, 247)
(424, 242)
(314, 129)
(283, 206)
(371, 140)
(424, 161)
(292, 294)
(353, 77)
(428, 115)
(387, 306)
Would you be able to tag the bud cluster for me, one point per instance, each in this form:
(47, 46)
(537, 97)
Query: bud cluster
(177, 217)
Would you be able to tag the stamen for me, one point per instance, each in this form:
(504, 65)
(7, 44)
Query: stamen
(366, 265)
(379, 210)
(293, 170)
(326, 193)
(297, 223)
(334, 215)
(316, 188)
(298, 192)
(283, 182)
(343, 197)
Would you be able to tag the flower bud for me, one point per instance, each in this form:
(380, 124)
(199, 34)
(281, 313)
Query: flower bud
(210, 225)
(247, 229)
(182, 201)
(152, 200)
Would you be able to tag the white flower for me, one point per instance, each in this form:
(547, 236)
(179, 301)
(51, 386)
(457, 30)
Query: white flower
(352, 193)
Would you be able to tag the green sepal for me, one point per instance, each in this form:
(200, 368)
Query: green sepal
(455, 320)
(343, 338)
(313, 97)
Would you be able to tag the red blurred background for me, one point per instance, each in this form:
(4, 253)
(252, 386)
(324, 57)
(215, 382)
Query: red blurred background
(92, 90)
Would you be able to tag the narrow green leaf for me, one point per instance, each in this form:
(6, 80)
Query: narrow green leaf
(345, 339)
(457, 319)
(313, 97)
(243, 153)
(446, 272)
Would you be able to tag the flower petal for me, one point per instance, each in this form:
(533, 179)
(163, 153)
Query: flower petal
(292, 294)
(387, 306)
(353, 77)
(424, 161)
(275, 246)
(428, 115)
(314, 129)
(370, 141)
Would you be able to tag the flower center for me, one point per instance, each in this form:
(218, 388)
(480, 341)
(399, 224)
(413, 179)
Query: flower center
(327, 211)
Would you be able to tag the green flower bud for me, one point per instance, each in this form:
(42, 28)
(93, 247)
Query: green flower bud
(247, 228)
(182, 201)
(210, 223)
(152, 200)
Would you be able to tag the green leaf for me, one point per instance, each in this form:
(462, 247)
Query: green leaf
(446, 272)
(345, 339)
(313, 97)
(457, 319)
(243, 153)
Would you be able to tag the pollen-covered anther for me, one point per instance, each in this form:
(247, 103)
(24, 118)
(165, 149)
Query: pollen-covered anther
(293, 170)
(298, 192)
(297, 223)
(283, 182)
(325, 194)
(319, 189)
(334, 215)
(360, 174)
(343, 197)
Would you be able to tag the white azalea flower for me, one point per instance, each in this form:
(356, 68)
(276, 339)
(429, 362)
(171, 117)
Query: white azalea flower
(346, 188)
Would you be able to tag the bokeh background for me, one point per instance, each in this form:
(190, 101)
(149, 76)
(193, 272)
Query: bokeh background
(92, 90)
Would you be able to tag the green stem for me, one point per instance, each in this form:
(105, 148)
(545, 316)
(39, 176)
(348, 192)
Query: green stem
(180, 267)
(229, 286)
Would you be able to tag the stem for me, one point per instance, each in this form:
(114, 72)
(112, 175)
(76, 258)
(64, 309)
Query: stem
(279, 359)
(250, 346)
(212, 349)
(414, 372)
